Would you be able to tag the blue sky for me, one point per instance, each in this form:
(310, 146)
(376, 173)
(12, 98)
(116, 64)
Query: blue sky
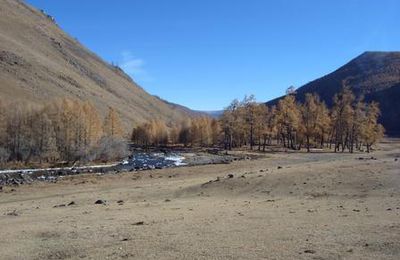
(204, 53)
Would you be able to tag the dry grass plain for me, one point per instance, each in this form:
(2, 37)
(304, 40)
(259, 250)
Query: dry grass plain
(282, 206)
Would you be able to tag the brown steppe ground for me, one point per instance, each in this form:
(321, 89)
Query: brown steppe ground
(313, 206)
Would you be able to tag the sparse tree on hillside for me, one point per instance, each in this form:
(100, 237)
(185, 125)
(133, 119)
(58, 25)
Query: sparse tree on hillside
(291, 90)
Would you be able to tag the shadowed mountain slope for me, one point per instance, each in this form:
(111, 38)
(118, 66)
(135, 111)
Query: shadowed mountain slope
(375, 75)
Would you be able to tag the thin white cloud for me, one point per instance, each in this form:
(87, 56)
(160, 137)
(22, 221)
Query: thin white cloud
(134, 66)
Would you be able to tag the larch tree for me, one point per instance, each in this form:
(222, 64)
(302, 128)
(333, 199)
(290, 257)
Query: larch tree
(288, 119)
(372, 131)
(44, 141)
(314, 119)
(94, 130)
(4, 153)
(159, 132)
(215, 131)
(112, 126)
(14, 133)
(250, 110)
(141, 135)
(260, 124)
(271, 126)
(342, 115)
(184, 136)
(231, 124)
(324, 123)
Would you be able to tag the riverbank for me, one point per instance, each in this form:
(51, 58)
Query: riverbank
(138, 161)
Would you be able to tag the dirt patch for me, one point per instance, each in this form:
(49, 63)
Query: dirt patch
(315, 206)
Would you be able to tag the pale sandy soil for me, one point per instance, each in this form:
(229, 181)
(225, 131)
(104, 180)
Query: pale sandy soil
(316, 206)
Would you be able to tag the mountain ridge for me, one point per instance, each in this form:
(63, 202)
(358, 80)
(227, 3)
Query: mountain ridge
(39, 62)
(371, 74)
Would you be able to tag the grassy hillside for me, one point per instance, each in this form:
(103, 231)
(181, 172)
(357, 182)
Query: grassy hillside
(39, 61)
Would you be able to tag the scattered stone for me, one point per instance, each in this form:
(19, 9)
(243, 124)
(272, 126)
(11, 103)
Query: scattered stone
(309, 251)
(120, 202)
(100, 202)
(279, 167)
(350, 250)
(365, 158)
(356, 210)
(59, 206)
(396, 159)
(12, 213)
(243, 176)
(230, 176)
(167, 200)
(139, 223)
(15, 182)
(71, 203)
(125, 239)
(389, 209)
(1, 188)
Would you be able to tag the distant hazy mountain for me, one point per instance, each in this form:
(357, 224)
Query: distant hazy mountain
(376, 75)
(214, 114)
(39, 62)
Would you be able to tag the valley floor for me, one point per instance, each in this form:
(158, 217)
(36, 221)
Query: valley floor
(281, 206)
